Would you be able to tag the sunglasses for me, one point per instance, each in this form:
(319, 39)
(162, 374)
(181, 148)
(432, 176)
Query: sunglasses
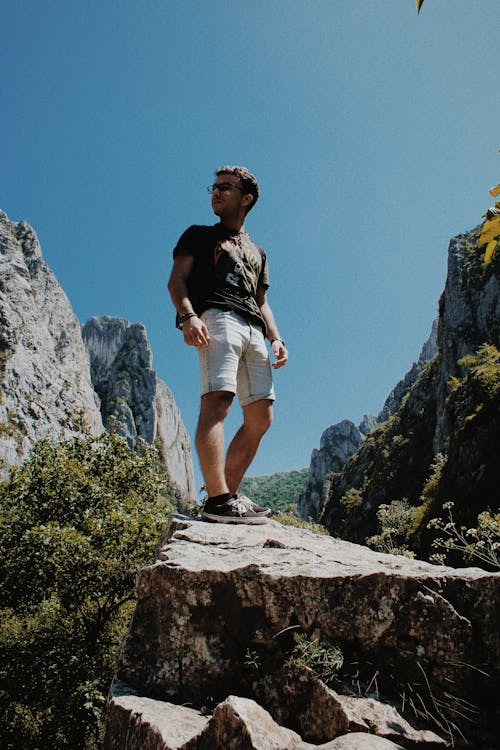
(223, 187)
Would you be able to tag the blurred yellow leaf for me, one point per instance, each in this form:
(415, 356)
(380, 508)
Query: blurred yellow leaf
(490, 230)
(495, 191)
(490, 249)
(419, 5)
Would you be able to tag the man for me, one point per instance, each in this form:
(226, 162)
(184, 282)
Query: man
(218, 286)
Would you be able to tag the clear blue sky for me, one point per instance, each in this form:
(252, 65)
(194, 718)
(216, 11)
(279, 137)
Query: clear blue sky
(373, 132)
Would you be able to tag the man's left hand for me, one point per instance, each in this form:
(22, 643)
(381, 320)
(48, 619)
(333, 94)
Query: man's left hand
(280, 352)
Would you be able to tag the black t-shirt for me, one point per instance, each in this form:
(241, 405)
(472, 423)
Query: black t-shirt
(228, 267)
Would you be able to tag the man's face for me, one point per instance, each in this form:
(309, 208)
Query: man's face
(229, 200)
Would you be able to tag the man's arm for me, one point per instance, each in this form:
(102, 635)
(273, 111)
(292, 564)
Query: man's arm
(278, 346)
(193, 329)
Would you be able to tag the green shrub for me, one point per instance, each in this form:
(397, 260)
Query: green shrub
(290, 518)
(324, 659)
(484, 368)
(396, 525)
(352, 499)
(77, 521)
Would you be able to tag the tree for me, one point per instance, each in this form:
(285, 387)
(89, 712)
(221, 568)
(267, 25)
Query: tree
(77, 520)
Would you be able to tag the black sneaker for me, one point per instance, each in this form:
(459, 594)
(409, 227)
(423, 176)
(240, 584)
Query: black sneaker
(254, 506)
(232, 511)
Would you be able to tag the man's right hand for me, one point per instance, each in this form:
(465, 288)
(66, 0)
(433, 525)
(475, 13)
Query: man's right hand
(195, 332)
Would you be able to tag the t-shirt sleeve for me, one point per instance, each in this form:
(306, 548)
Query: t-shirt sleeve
(188, 242)
(264, 271)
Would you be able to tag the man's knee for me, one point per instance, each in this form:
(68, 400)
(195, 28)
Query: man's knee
(259, 416)
(216, 404)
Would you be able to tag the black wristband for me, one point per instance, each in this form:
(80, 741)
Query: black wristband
(277, 339)
(183, 318)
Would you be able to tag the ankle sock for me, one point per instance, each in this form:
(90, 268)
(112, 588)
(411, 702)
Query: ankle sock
(220, 499)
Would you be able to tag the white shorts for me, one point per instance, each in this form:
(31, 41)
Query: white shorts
(236, 358)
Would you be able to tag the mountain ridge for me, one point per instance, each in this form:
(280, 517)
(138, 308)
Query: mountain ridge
(57, 378)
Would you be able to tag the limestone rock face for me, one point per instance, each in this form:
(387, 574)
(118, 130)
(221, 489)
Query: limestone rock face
(469, 316)
(341, 441)
(395, 397)
(134, 401)
(45, 385)
(338, 443)
(216, 615)
(446, 412)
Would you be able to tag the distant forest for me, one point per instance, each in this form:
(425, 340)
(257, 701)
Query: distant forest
(278, 491)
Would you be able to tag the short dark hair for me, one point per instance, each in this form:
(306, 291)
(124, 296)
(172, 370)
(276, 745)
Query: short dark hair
(248, 181)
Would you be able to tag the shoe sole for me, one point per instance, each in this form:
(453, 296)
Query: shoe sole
(228, 519)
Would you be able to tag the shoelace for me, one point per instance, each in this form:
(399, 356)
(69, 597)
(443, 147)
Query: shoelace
(246, 501)
(240, 507)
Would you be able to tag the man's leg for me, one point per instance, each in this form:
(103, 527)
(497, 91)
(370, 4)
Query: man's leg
(257, 418)
(210, 440)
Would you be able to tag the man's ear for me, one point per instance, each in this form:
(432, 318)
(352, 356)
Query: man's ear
(248, 199)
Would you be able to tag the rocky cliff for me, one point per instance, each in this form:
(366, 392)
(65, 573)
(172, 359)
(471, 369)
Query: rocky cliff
(337, 444)
(134, 401)
(441, 443)
(342, 440)
(400, 390)
(273, 637)
(48, 384)
(45, 385)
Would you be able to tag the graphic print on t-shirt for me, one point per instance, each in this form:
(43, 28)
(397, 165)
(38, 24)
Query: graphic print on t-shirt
(237, 266)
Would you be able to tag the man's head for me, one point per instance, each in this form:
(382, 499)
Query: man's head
(246, 182)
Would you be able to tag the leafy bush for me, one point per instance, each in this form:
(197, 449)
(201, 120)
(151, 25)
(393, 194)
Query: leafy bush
(352, 499)
(324, 659)
(484, 368)
(290, 518)
(396, 524)
(77, 520)
(430, 490)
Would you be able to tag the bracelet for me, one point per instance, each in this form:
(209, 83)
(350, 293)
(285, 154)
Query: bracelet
(277, 339)
(185, 317)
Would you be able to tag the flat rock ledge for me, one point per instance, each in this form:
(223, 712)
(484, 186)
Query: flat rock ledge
(210, 659)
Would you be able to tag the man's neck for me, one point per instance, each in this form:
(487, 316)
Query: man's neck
(234, 225)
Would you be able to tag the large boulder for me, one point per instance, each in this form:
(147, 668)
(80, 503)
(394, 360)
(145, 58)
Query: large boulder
(218, 611)
(241, 724)
(139, 723)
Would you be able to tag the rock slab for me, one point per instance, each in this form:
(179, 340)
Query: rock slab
(219, 593)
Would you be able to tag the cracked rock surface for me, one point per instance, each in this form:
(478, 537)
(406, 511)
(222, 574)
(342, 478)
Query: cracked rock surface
(216, 615)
